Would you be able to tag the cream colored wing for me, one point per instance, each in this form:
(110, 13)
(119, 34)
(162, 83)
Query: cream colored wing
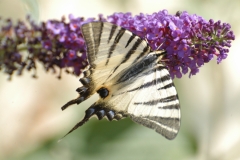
(110, 49)
(130, 81)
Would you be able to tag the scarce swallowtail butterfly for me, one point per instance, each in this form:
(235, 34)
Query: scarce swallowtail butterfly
(131, 80)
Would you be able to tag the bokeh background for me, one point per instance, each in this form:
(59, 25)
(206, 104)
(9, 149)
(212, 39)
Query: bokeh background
(31, 121)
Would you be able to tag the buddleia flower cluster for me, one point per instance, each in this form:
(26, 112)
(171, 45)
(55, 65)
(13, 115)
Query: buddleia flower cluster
(190, 41)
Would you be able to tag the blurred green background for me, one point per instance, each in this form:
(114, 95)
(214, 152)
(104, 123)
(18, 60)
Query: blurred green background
(31, 121)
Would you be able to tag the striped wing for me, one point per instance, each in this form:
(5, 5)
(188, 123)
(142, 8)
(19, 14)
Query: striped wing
(149, 99)
(156, 105)
(111, 49)
(130, 81)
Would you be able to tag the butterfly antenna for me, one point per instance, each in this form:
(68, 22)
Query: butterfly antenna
(160, 45)
(146, 40)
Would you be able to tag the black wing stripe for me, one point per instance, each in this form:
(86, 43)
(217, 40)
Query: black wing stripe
(114, 45)
(164, 120)
(97, 39)
(130, 52)
(173, 106)
(113, 29)
(145, 50)
(152, 83)
(130, 40)
(92, 33)
(169, 98)
(166, 86)
(155, 102)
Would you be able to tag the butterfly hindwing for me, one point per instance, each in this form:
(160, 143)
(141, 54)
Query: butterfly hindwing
(156, 105)
(149, 99)
(131, 81)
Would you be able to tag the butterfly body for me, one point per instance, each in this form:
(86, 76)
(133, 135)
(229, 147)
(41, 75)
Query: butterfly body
(130, 79)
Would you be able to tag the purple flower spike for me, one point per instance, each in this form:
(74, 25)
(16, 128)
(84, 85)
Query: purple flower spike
(190, 41)
(56, 44)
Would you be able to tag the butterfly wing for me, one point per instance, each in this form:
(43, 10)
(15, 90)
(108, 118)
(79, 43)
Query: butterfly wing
(156, 105)
(111, 49)
(151, 100)
(129, 81)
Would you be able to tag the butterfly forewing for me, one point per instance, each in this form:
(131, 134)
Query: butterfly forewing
(111, 49)
(130, 80)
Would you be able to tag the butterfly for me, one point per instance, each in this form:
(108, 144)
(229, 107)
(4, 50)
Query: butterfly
(131, 80)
